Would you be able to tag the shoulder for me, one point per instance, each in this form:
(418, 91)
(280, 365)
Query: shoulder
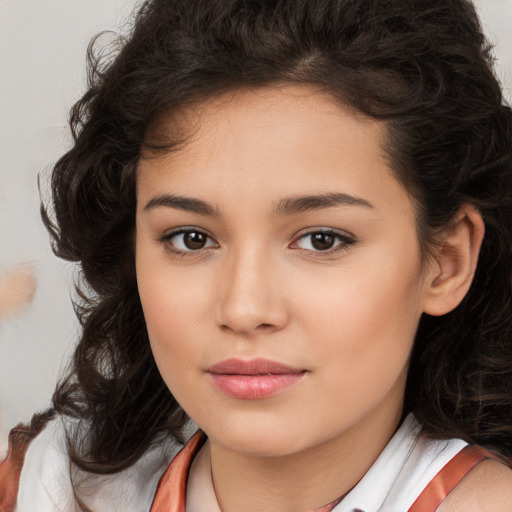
(47, 481)
(486, 488)
(20, 439)
(434, 467)
(44, 482)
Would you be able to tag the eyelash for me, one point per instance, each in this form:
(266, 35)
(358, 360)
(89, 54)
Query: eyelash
(166, 240)
(344, 241)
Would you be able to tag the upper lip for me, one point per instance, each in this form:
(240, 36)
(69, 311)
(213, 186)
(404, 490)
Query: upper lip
(257, 366)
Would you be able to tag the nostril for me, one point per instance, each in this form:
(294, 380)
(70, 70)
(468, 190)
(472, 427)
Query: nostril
(260, 327)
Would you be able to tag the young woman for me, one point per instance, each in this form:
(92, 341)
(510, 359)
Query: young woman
(294, 223)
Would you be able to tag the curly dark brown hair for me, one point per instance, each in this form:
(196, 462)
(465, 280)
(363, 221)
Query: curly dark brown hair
(423, 67)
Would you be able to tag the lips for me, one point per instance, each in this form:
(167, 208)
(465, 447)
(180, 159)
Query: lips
(253, 379)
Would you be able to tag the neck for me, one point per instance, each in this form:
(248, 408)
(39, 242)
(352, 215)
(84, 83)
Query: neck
(305, 480)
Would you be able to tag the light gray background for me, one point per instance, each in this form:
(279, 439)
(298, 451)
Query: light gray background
(42, 72)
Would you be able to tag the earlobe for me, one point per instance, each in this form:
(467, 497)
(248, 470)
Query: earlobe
(451, 272)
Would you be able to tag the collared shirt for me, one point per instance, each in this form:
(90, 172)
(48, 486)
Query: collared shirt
(396, 479)
(393, 483)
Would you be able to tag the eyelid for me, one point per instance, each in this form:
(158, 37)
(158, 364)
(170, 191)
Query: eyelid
(346, 239)
(166, 238)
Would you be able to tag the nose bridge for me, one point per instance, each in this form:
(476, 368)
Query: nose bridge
(251, 298)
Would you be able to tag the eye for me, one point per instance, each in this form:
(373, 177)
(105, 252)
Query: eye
(323, 240)
(188, 240)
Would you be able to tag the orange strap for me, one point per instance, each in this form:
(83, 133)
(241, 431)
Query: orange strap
(448, 477)
(10, 468)
(172, 489)
(171, 492)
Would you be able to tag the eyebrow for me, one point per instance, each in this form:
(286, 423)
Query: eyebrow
(187, 204)
(299, 204)
(287, 206)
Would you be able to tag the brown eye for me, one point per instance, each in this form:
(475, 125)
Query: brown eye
(325, 240)
(194, 240)
(322, 241)
(188, 240)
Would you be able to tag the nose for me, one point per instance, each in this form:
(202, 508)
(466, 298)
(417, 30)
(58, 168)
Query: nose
(252, 298)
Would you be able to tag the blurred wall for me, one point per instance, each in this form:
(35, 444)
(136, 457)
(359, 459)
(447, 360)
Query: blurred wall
(42, 72)
(42, 57)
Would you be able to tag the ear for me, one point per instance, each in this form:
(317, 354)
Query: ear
(451, 273)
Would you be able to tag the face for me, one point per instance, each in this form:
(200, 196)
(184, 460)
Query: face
(279, 271)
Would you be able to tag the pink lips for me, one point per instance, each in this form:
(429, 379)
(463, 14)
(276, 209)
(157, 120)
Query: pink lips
(253, 379)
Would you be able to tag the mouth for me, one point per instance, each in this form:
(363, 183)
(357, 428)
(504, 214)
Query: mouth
(253, 379)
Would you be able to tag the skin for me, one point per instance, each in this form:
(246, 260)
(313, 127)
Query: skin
(487, 488)
(345, 316)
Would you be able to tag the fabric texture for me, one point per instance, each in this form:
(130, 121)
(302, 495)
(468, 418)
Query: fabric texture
(448, 478)
(162, 480)
(45, 481)
(10, 469)
(172, 495)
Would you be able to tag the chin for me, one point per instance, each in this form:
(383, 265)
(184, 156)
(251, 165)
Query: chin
(260, 445)
(261, 438)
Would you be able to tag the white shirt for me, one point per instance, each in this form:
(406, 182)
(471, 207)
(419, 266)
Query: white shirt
(392, 484)
(404, 468)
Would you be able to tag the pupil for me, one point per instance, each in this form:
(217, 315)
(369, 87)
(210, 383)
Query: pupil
(322, 241)
(194, 240)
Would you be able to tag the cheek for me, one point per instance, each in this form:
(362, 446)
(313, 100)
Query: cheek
(170, 328)
(364, 337)
(169, 296)
(361, 299)
(175, 308)
(364, 316)
(169, 310)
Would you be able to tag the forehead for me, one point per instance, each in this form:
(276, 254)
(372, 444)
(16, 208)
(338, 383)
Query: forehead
(292, 140)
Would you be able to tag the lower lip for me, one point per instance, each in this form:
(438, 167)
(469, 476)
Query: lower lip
(254, 387)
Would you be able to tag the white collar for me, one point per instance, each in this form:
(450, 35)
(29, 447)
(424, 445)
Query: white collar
(367, 496)
(371, 491)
